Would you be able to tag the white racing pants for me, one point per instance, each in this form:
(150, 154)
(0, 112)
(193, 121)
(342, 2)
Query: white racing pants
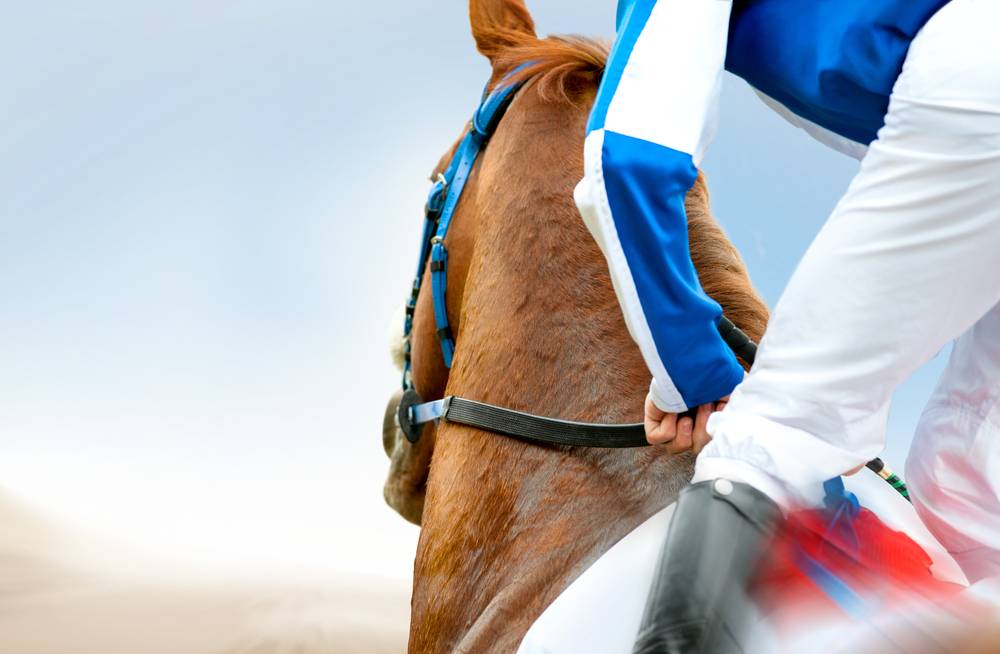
(909, 260)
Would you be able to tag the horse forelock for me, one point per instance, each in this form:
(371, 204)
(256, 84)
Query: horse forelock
(561, 67)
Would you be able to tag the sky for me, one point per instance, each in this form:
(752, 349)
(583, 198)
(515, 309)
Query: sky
(209, 213)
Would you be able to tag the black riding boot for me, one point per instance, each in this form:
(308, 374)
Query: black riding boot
(698, 603)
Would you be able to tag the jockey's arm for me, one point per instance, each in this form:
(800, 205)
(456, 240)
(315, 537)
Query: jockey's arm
(651, 123)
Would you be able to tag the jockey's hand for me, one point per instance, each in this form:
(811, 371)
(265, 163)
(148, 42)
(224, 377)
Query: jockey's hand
(679, 431)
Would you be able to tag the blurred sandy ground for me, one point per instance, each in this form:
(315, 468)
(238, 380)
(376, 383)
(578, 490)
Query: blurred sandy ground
(63, 591)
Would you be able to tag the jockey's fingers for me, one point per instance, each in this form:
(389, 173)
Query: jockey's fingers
(652, 411)
(653, 429)
(662, 431)
(685, 427)
(682, 443)
(701, 420)
(701, 437)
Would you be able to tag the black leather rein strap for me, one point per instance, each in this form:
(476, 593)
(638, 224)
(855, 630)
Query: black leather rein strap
(541, 430)
(738, 342)
(413, 413)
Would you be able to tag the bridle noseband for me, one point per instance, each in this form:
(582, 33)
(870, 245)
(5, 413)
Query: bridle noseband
(413, 413)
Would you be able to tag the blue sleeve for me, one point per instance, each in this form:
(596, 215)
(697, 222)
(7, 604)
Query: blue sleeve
(651, 123)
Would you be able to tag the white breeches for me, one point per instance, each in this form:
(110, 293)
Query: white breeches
(954, 465)
(909, 260)
(602, 609)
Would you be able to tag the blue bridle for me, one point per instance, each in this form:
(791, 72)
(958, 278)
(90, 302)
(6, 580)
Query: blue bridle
(440, 209)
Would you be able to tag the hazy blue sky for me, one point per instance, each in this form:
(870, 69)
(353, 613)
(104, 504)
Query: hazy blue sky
(208, 213)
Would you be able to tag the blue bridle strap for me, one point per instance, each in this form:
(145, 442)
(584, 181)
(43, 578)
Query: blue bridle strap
(441, 205)
(439, 290)
(432, 211)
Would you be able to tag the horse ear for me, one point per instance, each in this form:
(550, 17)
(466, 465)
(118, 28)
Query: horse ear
(499, 24)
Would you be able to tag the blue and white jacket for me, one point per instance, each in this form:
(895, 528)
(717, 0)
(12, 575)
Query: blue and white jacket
(828, 66)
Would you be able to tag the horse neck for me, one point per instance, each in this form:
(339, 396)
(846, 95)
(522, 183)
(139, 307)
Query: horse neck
(507, 525)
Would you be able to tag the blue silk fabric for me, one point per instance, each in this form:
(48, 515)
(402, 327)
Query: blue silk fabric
(832, 62)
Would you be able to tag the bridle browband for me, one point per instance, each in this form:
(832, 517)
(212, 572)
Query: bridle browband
(413, 413)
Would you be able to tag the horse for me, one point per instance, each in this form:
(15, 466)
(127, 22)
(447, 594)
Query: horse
(506, 525)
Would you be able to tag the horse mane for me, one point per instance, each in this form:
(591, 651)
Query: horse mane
(562, 67)
(566, 69)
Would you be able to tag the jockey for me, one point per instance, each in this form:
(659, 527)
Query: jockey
(909, 260)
